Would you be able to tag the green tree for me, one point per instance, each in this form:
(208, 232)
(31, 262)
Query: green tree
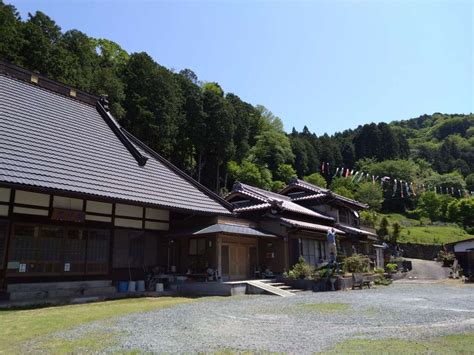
(285, 173)
(370, 194)
(452, 214)
(429, 205)
(40, 36)
(346, 183)
(220, 129)
(277, 185)
(343, 191)
(249, 173)
(316, 179)
(451, 182)
(396, 230)
(470, 182)
(383, 228)
(466, 214)
(272, 147)
(11, 37)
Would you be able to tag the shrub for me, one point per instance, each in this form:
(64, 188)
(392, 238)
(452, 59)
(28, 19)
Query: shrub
(301, 270)
(382, 281)
(368, 218)
(379, 270)
(396, 228)
(446, 257)
(356, 263)
(383, 229)
(391, 267)
(326, 271)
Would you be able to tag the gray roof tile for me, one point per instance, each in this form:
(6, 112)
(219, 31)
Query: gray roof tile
(266, 198)
(51, 141)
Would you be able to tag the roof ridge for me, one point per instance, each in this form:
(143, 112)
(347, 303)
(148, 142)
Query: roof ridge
(16, 72)
(267, 195)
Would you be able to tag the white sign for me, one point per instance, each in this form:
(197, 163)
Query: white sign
(67, 267)
(22, 268)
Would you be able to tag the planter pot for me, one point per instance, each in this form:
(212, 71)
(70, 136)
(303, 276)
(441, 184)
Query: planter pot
(320, 285)
(300, 284)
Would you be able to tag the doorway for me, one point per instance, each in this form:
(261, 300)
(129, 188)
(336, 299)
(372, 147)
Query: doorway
(235, 260)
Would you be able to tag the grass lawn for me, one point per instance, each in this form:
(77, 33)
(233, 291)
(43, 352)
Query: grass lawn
(412, 232)
(450, 344)
(36, 326)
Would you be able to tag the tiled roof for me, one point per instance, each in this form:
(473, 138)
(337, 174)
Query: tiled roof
(316, 196)
(267, 199)
(307, 225)
(230, 229)
(52, 141)
(319, 190)
(354, 230)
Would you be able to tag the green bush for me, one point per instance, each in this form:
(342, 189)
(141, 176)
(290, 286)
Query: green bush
(326, 271)
(382, 281)
(391, 267)
(446, 257)
(301, 270)
(356, 263)
(379, 270)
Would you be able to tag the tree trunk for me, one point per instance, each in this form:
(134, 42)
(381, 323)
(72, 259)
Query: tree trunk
(217, 178)
(199, 165)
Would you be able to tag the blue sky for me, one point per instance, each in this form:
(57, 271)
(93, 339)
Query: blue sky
(330, 65)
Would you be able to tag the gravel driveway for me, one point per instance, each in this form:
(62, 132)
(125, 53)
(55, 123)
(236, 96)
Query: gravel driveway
(270, 323)
(427, 270)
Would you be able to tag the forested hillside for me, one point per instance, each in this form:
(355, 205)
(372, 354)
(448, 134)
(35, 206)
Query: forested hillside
(218, 138)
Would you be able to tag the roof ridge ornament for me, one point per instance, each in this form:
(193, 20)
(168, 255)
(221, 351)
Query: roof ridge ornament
(104, 101)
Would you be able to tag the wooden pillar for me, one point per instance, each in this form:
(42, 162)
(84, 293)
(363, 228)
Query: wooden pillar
(219, 255)
(3, 280)
(286, 253)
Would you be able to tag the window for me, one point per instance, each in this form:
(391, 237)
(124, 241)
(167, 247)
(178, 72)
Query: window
(197, 246)
(313, 251)
(98, 242)
(75, 250)
(3, 241)
(58, 250)
(343, 217)
(137, 249)
(129, 249)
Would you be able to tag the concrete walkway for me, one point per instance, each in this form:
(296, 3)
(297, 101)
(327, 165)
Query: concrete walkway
(425, 271)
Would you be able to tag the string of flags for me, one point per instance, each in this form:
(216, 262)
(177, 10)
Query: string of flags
(399, 187)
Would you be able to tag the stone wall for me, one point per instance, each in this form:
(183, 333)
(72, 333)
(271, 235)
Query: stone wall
(420, 251)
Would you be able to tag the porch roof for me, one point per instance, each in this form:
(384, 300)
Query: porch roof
(228, 229)
(353, 230)
(307, 225)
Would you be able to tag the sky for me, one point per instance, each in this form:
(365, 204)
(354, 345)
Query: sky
(329, 65)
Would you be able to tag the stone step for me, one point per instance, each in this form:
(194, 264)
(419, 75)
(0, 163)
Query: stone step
(46, 286)
(275, 284)
(267, 281)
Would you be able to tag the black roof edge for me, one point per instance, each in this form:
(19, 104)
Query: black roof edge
(44, 82)
(181, 173)
(102, 108)
(101, 198)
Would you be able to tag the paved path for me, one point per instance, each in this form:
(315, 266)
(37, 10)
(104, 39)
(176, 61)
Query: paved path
(425, 271)
(301, 324)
